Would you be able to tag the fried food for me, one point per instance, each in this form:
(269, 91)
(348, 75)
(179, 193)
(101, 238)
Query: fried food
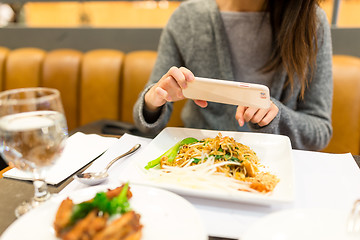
(63, 215)
(111, 193)
(86, 228)
(126, 227)
(91, 219)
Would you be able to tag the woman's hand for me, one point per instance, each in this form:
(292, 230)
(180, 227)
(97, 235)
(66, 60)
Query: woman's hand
(256, 115)
(169, 88)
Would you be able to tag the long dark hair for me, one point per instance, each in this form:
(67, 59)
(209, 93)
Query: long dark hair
(294, 24)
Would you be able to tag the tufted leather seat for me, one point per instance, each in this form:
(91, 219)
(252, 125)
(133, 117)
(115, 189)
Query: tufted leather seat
(346, 106)
(137, 70)
(61, 70)
(23, 68)
(99, 89)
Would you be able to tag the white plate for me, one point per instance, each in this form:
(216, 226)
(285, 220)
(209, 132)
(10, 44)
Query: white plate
(274, 152)
(300, 224)
(164, 216)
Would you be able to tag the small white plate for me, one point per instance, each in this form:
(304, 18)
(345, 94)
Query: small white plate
(164, 215)
(274, 151)
(300, 224)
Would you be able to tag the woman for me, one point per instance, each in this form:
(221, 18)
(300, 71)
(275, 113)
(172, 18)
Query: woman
(283, 44)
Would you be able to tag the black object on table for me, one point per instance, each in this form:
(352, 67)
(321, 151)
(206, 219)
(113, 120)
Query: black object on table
(3, 164)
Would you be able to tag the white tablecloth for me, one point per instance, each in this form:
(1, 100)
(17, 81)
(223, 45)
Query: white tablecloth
(321, 181)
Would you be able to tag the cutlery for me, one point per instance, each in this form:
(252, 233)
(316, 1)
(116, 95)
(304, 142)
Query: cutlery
(94, 178)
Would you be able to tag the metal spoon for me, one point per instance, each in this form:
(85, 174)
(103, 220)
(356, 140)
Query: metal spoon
(93, 178)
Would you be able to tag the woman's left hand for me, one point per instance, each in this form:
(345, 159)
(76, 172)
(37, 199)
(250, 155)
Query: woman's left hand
(256, 115)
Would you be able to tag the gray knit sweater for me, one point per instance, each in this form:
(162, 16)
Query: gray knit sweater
(195, 37)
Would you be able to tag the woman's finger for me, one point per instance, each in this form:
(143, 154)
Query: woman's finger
(162, 93)
(189, 76)
(178, 76)
(239, 116)
(201, 103)
(259, 115)
(174, 91)
(249, 113)
(271, 114)
(168, 88)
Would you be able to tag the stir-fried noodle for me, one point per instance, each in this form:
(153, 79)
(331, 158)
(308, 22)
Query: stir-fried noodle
(219, 161)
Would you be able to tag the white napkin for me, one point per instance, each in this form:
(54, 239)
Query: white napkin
(80, 149)
(122, 145)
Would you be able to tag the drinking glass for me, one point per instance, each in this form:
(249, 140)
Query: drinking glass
(33, 132)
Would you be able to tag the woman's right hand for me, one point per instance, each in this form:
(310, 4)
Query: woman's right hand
(169, 89)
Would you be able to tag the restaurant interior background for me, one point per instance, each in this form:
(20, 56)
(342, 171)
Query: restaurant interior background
(128, 25)
(131, 25)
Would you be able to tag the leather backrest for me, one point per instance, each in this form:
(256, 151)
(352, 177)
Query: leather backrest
(100, 85)
(175, 119)
(61, 70)
(137, 69)
(346, 106)
(23, 68)
(3, 55)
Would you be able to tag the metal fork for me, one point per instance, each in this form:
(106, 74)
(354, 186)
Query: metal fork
(353, 224)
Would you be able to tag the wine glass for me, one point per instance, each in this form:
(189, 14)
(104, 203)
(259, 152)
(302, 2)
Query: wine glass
(33, 132)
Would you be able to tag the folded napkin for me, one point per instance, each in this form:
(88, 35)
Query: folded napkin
(122, 145)
(80, 149)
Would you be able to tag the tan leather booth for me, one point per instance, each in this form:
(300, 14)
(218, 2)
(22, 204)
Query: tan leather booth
(105, 83)
(346, 106)
(61, 70)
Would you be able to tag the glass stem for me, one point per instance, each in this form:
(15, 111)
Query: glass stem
(41, 192)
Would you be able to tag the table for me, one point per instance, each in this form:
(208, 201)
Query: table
(13, 192)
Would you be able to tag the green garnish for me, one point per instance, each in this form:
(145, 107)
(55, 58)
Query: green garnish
(80, 211)
(218, 156)
(227, 157)
(118, 204)
(235, 159)
(196, 160)
(171, 153)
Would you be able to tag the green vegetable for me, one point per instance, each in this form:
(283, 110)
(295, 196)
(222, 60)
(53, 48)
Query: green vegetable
(227, 157)
(235, 159)
(102, 202)
(171, 153)
(118, 204)
(80, 211)
(217, 156)
(196, 160)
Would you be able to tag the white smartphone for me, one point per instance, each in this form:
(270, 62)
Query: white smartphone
(228, 92)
